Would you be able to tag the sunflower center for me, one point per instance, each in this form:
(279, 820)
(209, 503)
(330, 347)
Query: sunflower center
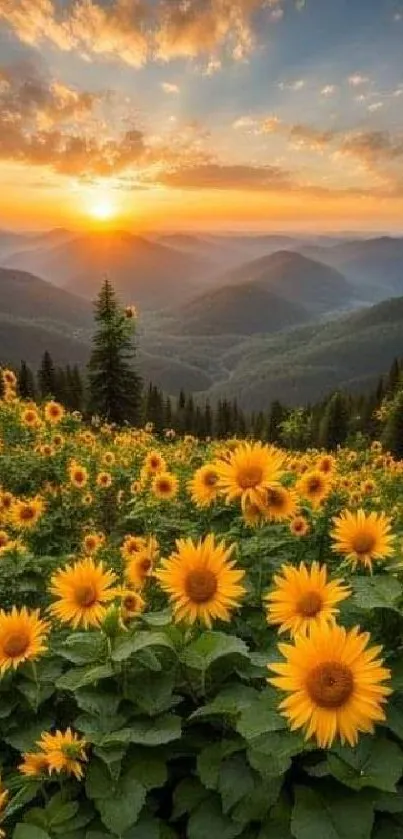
(145, 565)
(275, 498)
(86, 595)
(314, 485)
(3, 540)
(210, 479)
(330, 684)
(363, 543)
(16, 644)
(201, 585)
(27, 513)
(250, 476)
(130, 602)
(310, 604)
(164, 486)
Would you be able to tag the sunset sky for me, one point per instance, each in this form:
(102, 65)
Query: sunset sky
(202, 114)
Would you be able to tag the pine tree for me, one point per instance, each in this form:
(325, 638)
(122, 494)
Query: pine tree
(393, 378)
(393, 432)
(115, 387)
(334, 427)
(208, 419)
(26, 382)
(168, 414)
(276, 416)
(47, 377)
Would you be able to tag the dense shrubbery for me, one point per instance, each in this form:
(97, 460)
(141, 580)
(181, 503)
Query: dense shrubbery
(134, 698)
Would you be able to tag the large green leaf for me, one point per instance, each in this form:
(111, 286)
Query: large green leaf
(230, 701)
(128, 645)
(147, 732)
(374, 762)
(29, 831)
(83, 676)
(208, 820)
(271, 753)
(211, 647)
(148, 767)
(379, 592)
(236, 780)
(210, 760)
(187, 796)
(255, 806)
(122, 811)
(153, 692)
(261, 715)
(83, 648)
(331, 814)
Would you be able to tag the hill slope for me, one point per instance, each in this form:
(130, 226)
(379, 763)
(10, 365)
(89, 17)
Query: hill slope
(240, 310)
(23, 295)
(298, 279)
(149, 274)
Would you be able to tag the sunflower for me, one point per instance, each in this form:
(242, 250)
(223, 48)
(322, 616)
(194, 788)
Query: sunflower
(130, 312)
(368, 486)
(30, 418)
(132, 546)
(87, 499)
(104, 480)
(64, 752)
(92, 542)
(4, 795)
(53, 412)
(33, 764)
(82, 590)
(154, 462)
(141, 564)
(135, 487)
(6, 502)
(108, 459)
(26, 514)
(203, 487)
(78, 475)
(252, 514)
(9, 378)
(362, 537)
(47, 450)
(334, 681)
(131, 604)
(299, 526)
(326, 464)
(304, 597)
(22, 637)
(249, 470)
(315, 486)
(58, 440)
(201, 581)
(165, 486)
(4, 539)
(279, 503)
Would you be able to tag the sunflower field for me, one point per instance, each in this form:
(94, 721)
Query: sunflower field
(198, 639)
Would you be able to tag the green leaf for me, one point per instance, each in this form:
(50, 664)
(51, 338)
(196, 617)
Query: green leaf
(255, 806)
(210, 760)
(152, 693)
(98, 782)
(236, 781)
(374, 762)
(147, 732)
(231, 700)
(187, 796)
(25, 737)
(331, 814)
(102, 704)
(208, 820)
(122, 810)
(378, 592)
(394, 715)
(112, 757)
(83, 648)
(147, 767)
(261, 716)
(83, 676)
(24, 795)
(211, 647)
(128, 644)
(29, 831)
(271, 753)
(389, 802)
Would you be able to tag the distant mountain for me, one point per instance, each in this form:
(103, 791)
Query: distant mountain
(23, 295)
(374, 266)
(305, 364)
(143, 272)
(24, 340)
(242, 309)
(298, 279)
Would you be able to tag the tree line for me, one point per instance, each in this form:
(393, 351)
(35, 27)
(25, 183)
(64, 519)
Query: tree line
(112, 389)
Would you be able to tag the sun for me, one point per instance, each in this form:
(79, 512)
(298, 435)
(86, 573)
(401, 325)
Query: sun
(103, 209)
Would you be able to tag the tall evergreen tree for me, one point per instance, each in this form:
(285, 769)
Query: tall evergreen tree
(26, 382)
(115, 387)
(393, 432)
(47, 377)
(334, 427)
(277, 415)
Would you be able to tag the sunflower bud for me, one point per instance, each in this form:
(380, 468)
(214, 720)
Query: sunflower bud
(111, 624)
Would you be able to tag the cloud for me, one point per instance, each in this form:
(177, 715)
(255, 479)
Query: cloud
(312, 138)
(168, 87)
(376, 106)
(296, 85)
(244, 122)
(270, 124)
(135, 30)
(357, 79)
(222, 177)
(328, 90)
